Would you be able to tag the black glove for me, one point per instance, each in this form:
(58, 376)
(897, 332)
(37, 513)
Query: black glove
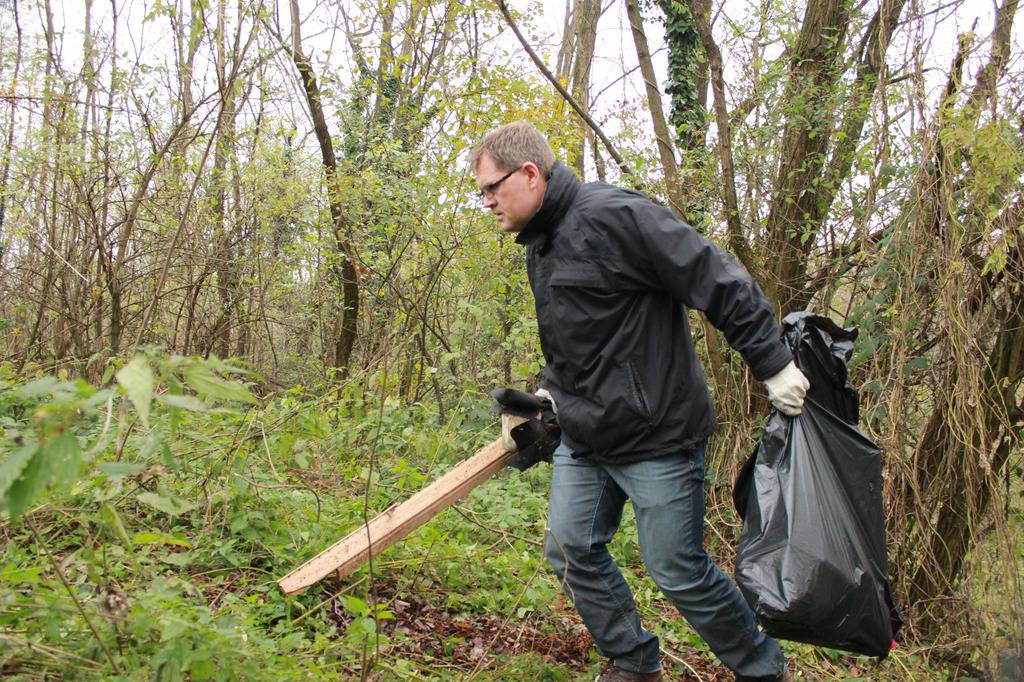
(537, 437)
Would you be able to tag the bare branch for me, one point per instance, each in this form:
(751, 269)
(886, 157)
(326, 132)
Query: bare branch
(623, 166)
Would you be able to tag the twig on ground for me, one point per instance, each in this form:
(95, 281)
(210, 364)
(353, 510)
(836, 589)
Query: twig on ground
(515, 607)
(679, 659)
(50, 651)
(325, 602)
(270, 460)
(283, 486)
(71, 593)
(465, 513)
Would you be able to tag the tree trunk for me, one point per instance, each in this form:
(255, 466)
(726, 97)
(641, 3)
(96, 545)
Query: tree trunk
(688, 74)
(343, 266)
(224, 232)
(585, 14)
(9, 142)
(666, 154)
(966, 485)
(809, 102)
(688, 71)
(974, 426)
(51, 127)
(737, 237)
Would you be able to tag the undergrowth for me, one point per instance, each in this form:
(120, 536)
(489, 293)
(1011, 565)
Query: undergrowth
(146, 524)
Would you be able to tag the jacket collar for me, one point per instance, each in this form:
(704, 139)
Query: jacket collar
(563, 186)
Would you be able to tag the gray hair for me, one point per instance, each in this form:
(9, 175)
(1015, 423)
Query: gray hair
(512, 145)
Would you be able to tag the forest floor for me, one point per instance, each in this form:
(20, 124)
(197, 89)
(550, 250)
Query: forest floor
(157, 558)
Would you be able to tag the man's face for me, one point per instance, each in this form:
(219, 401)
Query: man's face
(513, 200)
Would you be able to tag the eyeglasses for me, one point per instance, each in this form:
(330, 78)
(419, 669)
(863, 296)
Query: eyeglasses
(487, 191)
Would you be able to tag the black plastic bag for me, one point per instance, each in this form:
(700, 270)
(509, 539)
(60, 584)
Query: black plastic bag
(812, 560)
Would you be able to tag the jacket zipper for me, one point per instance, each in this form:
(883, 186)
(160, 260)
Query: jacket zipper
(638, 390)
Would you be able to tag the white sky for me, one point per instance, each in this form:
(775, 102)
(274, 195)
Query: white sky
(614, 45)
(149, 41)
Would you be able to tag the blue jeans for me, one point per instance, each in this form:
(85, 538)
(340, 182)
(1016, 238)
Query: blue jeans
(587, 499)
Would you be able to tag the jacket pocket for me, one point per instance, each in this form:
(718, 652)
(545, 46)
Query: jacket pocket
(583, 314)
(640, 395)
(579, 274)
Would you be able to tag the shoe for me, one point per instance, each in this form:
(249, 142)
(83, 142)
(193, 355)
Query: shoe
(612, 673)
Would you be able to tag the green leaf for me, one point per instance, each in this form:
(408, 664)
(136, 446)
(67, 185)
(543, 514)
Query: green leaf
(96, 400)
(11, 468)
(31, 478)
(11, 574)
(917, 363)
(366, 626)
(113, 521)
(354, 605)
(108, 373)
(30, 468)
(136, 378)
(159, 539)
(84, 389)
(206, 383)
(39, 387)
(64, 456)
(115, 470)
(182, 402)
(14, 616)
(182, 559)
(151, 444)
(171, 505)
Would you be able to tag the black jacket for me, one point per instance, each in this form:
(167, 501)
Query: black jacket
(612, 276)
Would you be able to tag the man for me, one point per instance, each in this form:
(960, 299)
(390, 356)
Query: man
(612, 276)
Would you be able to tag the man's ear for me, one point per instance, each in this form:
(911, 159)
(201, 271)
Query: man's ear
(533, 173)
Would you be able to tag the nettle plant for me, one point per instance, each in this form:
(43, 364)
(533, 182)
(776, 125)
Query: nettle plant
(58, 430)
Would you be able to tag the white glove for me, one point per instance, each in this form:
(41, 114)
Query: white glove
(544, 393)
(509, 422)
(787, 389)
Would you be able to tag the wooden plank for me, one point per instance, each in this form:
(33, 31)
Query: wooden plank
(387, 528)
